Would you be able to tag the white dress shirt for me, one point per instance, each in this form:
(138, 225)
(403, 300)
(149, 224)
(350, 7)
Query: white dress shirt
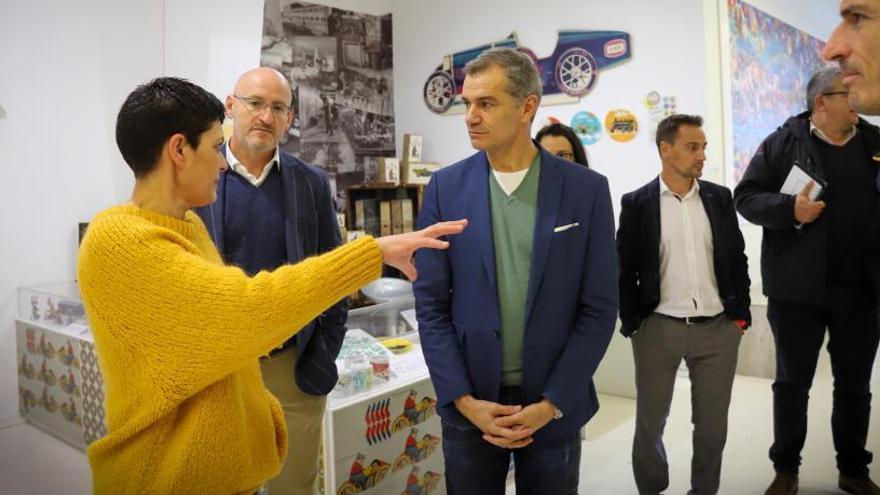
(687, 271)
(235, 165)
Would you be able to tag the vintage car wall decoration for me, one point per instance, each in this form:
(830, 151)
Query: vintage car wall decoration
(571, 69)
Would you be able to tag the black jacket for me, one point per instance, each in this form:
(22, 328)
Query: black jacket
(310, 229)
(638, 248)
(793, 261)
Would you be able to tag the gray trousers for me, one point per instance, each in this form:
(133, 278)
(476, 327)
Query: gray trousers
(710, 351)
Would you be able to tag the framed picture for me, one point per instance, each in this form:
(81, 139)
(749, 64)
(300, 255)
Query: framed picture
(389, 170)
(412, 148)
(420, 172)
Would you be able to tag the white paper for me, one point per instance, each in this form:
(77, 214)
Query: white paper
(409, 363)
(796, 181)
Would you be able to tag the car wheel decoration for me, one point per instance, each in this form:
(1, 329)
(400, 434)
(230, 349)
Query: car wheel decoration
(576, 72)
(439, 92)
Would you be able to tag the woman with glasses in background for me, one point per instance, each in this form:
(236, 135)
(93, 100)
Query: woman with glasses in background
(561, 140)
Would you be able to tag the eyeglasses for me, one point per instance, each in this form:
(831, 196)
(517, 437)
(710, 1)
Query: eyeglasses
(565, 155)
(256, 106)
(832, 93)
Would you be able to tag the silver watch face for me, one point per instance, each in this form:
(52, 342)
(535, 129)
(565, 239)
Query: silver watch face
(557, 414)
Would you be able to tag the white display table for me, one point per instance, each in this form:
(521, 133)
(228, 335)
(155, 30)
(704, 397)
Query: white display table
(368, 432)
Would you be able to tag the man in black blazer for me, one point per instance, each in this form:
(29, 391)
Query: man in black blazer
(273, 209)
(684, 294)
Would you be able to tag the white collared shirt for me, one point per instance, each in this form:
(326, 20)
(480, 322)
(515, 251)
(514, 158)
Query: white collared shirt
(687, 274)
(821, 135)
(235, 165)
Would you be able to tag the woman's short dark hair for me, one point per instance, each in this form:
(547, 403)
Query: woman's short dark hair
(155, 111)
(562, 130)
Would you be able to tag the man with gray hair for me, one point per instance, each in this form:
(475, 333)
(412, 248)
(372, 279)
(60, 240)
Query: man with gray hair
(817, 264)
(515, 318)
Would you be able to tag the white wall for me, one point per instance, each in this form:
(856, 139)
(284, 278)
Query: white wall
(67, 66)
(64, 69)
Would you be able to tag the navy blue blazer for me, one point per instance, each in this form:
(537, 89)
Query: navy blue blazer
(311, 228)
(638, 245)
(571, 306)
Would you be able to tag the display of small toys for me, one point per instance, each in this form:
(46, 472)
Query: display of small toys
(61, 313)
(26, 369)
(414, 412)
(52, 314)
(68, 412)
(355, 363)
(71, 312)
(46, 375)
(68, 384)
(415, 450)
(35, 308)
(47, 401)
(362, 477)
(67, 356)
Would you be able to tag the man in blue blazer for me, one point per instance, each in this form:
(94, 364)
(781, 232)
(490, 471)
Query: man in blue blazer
(273, 209)
(516, 315)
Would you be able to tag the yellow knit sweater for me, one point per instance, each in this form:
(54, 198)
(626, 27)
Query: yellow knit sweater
(179, 336)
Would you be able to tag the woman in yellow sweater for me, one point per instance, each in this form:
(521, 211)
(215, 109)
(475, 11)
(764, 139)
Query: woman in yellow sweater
(178, 333)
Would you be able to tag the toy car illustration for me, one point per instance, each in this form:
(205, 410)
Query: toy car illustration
(571, 69)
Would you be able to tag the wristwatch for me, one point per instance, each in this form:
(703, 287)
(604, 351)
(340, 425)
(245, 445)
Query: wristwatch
(557, 414)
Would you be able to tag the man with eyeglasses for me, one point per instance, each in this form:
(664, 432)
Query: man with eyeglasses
(816, 263)
(273, 209)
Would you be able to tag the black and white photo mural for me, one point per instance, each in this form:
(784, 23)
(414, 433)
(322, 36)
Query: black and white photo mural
(339, 63)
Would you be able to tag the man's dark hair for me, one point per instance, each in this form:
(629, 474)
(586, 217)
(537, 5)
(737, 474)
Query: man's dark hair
(562, 130)
(155, 111)
(667, 129)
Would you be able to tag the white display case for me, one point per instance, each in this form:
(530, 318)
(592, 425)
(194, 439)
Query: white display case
(60, 388)
(372, 428)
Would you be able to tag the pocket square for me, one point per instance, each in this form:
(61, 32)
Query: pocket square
(563, 228)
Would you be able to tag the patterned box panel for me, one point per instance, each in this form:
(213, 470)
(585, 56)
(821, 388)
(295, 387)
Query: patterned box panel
(387, 443)
(94, 423)
(54, 391)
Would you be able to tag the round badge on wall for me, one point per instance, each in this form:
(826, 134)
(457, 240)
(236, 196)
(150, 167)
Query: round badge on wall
(587, 127)
(621, 125)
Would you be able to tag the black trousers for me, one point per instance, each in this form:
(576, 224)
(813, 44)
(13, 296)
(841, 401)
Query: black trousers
(850, 315)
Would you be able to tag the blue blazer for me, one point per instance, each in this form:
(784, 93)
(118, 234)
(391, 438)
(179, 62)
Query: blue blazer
(311, 228)
(571, 306)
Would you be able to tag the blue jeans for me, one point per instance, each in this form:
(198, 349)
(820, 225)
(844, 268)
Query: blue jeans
(474, 466)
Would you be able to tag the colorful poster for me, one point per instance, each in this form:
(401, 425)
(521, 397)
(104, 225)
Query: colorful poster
(770, 64)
